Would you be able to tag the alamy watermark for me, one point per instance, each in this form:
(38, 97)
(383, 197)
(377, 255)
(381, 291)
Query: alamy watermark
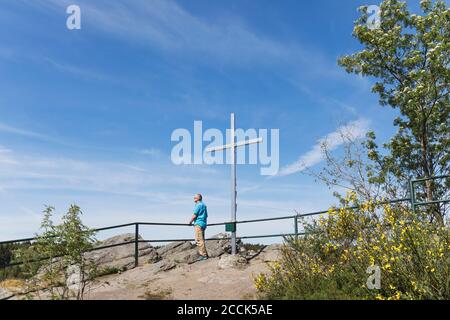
(373, 17)
(374, 280)
(73, 21)
(193, 148)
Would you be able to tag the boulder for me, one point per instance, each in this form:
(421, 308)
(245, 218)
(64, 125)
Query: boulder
(73, 274)
(164, 265)
(5, 294)
(216, 248)
(272, 253)
(228, 261)
(174, 248)
(121, 257)
(182, 252)
(188, 256)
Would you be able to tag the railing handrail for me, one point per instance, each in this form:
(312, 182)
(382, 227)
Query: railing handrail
(296, 217)
(236, 222)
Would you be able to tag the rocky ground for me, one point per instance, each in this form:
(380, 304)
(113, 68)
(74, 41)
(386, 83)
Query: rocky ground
(172, 272)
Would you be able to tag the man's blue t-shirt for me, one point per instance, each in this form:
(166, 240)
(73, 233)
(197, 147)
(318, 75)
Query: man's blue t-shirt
(202, 214)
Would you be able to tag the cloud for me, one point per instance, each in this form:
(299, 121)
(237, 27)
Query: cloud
(30, 172)
(6, 156)
(153, 152)
(79, 71)
(30, 134)
(22, 132)
(357, 129)
(165, 26)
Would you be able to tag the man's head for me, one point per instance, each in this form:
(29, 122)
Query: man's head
(198, 197)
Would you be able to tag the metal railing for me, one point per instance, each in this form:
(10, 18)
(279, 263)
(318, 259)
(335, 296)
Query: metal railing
(296, 218)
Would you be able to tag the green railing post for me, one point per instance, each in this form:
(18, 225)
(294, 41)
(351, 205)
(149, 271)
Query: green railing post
(296, 226)
(412, 195)
(136, 245)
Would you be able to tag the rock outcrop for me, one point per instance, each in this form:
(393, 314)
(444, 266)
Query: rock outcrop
(180, 252)
(173, 258)
(122, 257)
(216, 248)
(228, 261)
(271, 253)
(5, 294)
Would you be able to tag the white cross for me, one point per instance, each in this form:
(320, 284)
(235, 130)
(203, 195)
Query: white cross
(233, 146)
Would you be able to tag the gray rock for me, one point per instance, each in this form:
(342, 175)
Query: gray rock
(187, 256)
(186, 252)
(272, 253)
(228, 261)
(167, 265)
(5, 294)
(73, 274)
(174, 248)
(164, 249)
(121, 257)
(152, 257)
(216, 248)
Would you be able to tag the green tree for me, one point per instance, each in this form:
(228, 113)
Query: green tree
(409, 56)
(64, 272)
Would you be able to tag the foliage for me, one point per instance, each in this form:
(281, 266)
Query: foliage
(60, 248)
(351, 170)
(7, 257)
(409, 55)
(332, 260)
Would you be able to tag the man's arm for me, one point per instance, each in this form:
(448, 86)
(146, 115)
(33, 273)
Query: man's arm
(194, 216)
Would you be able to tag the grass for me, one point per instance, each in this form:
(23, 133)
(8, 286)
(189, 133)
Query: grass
(12, 284)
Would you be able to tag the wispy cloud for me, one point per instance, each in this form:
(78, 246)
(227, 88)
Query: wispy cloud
(6, 156)
(357, 129)
(30, 172)
(166, 26)
(23, 132)
(153, 152)
(78, 71)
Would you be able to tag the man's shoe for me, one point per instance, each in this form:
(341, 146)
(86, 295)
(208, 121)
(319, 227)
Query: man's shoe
(202, 258)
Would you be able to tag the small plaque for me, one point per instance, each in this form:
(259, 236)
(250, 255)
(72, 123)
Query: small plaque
(230, 227)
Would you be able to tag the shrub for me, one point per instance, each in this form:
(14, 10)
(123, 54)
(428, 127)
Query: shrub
(332, 260)
(60, 251)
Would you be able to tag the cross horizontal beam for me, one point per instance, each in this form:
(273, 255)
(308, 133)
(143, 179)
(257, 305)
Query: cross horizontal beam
(237, 144)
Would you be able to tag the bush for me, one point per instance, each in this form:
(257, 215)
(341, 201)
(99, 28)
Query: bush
(332, 260)
(55, 263)
(7, 257)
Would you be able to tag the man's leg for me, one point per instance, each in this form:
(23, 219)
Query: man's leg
(200, 240)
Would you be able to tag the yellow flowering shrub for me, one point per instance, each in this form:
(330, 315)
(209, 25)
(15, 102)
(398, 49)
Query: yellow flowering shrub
(332, 260)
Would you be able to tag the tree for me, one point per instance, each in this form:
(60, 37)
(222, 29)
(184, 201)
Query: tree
(353, 170)
(409, 55)
(61, 250)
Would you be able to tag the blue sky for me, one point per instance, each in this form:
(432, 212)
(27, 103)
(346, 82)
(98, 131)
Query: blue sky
(86, 115)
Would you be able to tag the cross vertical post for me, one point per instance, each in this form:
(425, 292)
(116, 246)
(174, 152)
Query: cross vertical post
(233, 182)
(233, 145)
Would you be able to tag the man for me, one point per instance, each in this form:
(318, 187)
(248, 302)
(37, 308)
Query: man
(199, 218)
